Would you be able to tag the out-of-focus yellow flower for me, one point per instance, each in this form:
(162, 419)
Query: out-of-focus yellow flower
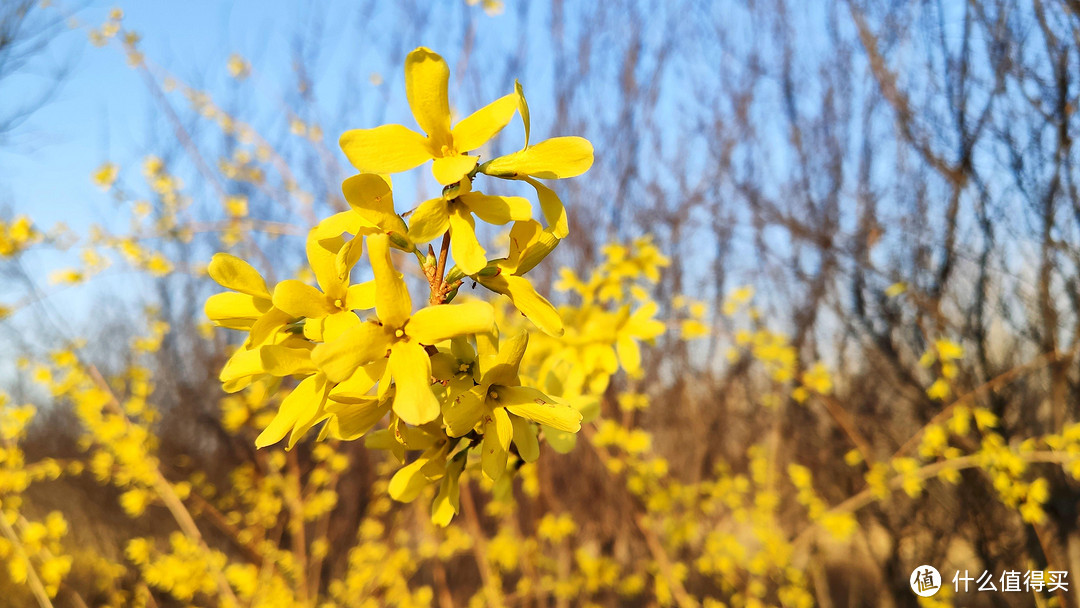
(105, 175)
(238, 67)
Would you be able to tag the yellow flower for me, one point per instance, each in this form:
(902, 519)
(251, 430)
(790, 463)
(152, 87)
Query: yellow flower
(403, 335)
(328, 308)
(239, 68)
(454, 212)
(248, 298)
(499, 394)
(529, 244)
(105, 175)
(555, 158)
(395, 148)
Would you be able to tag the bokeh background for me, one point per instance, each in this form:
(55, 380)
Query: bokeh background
(871, 222)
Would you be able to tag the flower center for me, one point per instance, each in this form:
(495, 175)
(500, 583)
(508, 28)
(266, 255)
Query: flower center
(448, 150)
(338, 303)
(464, 367)
(400, 333)
(493, 395)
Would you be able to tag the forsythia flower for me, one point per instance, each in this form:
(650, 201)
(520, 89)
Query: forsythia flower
(502, 407)
(395, 148)
(402, 334)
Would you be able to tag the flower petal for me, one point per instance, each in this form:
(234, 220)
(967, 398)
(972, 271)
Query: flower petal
(463, 414)
(283, 361)
(538, 407)
(452, 169)
(555, 158)
(552, 206)
(385, 149)
(534, 306)
(356, 388)
(523, 110)
(525, 439)
(235, 310)
(267, 328)
(477, 128)
(468, 254)
(360, 296)
(434, 324)
(358, 346)
(346, 221)
(413, 401)
(239, 370)
(392, 302)
(503, 367)
(498, 432)
(292, 407)
(299, 299)
(447, 501)
(426, 80)
(233, 273)
(497, 210)
(429, 221)
(370, 197)
(350, 422)
(408, 482)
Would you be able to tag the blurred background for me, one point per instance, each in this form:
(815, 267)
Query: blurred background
(896, 181)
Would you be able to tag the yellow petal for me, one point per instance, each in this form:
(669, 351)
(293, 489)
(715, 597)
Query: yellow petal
(239, 370)
(426, 80)
(358, 346)
(392, 302)
(525, 439)
(447, 501)
(497, 210)
(538, 407)
(361, 296)
(429, 221)
(408, 482)
(268, 328)
(283, 361)
(503, 367)
(552, 206)
(346, 221)
(370, 197)
(434, 324)
(352, 421)
(554, 158)
(498, 432)
(413, 402)
(301, 300)
(468, 254)
(235, 310)
(452, 169)
(292, 407)
(385, 149)
(233, 273)
(444, 366)
(322, 257)
(463, 414)
(356, 388)
(629, 355)
(330, 327)
(523, 110)
(534, 306)
(476, 129)
(530, 243)
(312, 414)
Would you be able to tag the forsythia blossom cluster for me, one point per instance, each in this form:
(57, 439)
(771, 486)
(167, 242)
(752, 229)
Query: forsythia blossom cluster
(361, 352)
